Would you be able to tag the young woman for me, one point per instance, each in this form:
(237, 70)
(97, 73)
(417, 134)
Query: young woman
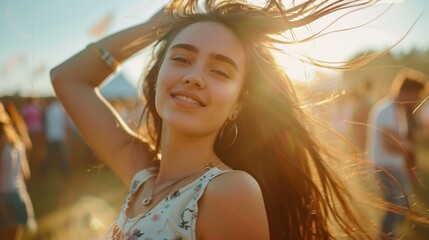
(228, 152)
(16, 209)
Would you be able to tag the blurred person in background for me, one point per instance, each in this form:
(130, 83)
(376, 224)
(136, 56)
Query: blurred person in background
(391, 141)
(56, 137)
(16, 209)
(32, 113)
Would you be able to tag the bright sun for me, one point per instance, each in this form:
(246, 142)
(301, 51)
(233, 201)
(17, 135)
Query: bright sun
(296, 69)
(335, 47)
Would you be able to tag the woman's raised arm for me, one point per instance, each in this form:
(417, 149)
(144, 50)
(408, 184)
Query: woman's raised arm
(76, 84)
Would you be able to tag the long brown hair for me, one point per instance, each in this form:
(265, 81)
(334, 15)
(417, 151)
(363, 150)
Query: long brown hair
(7, 129)
(275, 145)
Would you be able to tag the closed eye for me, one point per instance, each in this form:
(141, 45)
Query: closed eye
(221, 73)
(181, 59)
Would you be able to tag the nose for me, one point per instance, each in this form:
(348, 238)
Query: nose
(194, 79)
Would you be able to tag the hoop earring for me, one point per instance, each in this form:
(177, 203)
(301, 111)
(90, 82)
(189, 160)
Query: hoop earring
(231, 130)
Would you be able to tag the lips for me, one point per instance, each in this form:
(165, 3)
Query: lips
(188, 99)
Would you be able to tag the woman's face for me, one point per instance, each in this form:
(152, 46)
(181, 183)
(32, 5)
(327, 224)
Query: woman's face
(200, 79)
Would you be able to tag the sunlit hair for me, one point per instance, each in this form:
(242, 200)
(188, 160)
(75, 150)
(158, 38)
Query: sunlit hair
(303, 197)
(18, 124)
(7, 129)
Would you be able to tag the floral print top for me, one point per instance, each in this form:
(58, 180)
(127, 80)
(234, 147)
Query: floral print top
(173, 218)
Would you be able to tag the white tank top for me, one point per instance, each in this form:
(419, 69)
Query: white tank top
(173, 218)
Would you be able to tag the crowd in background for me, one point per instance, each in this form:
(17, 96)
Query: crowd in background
(54, 136)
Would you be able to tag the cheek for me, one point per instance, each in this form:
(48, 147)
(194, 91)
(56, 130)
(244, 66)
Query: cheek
(163, 83)
(226, 99)
(164, 75)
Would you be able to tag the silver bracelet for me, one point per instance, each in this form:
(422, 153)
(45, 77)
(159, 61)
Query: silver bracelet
(104, 55)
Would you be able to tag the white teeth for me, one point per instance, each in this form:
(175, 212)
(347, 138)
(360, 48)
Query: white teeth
(187, 99)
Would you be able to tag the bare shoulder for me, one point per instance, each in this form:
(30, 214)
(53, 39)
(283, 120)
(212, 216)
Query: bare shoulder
(232, 207)
(232, 183)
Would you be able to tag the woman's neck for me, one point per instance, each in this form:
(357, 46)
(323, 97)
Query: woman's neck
(183, 154)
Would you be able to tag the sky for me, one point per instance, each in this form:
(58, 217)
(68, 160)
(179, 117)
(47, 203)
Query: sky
(35, 36)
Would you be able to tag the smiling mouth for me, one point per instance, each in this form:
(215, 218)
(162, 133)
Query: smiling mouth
(188, 100)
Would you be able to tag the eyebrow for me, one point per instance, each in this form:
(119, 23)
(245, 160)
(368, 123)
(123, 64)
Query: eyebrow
(218, 57)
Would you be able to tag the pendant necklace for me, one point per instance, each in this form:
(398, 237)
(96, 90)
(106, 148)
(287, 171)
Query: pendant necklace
(148, 199)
